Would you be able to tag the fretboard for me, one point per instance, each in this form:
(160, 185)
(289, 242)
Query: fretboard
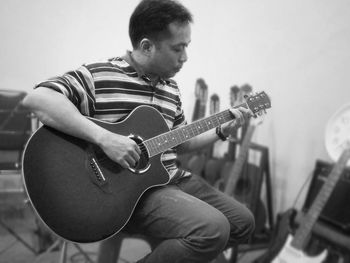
(162, 142)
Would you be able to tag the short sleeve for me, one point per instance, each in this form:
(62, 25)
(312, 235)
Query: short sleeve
(78, 86)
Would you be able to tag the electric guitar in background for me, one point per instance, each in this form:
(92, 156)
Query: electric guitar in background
(213, 164)
(81, 194)
(194, 161)
(293, 248)
(241, 179)
(235, 177)
(236, 98)
(231, 149)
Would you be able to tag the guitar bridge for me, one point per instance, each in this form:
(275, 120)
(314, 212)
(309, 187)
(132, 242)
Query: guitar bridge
(97, 171)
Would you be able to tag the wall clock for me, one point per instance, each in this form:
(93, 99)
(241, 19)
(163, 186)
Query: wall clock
(337, 136)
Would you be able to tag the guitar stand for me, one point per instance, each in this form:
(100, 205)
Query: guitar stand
(266, 170)
(63, 253)
(63, 257)
(13, 233)
(265, 175)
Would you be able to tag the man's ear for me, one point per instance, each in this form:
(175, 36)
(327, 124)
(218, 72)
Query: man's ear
(146, 45)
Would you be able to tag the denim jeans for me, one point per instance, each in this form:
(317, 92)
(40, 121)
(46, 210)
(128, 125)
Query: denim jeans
(191, 220)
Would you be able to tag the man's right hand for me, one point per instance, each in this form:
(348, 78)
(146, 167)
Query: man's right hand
(120, 149)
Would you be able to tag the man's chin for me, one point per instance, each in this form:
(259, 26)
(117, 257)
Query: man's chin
(171, 74)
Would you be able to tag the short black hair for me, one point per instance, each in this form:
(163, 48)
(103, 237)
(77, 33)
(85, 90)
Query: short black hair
(151, 19)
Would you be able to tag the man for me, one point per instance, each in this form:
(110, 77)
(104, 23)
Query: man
(192, 221)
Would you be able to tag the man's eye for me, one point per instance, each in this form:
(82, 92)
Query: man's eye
(177, 49)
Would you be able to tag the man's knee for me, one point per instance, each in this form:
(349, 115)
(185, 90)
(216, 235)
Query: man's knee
(211, 237)
(242, 231)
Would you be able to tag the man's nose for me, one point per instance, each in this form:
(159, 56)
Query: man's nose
(183, 57)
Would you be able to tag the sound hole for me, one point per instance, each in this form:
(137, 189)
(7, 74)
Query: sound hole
(143, 164)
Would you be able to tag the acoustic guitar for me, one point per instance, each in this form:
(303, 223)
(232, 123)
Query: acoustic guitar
(81, 194)
(292, 251)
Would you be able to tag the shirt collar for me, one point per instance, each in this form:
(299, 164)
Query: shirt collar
(130, 60)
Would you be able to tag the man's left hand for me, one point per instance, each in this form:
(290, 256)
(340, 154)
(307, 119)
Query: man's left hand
(241, 116)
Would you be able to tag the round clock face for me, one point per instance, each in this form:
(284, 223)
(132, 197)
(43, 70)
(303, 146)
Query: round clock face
(338, 133)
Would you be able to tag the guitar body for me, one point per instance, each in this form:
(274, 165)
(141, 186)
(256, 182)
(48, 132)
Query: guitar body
(291, 255)
(80, 193)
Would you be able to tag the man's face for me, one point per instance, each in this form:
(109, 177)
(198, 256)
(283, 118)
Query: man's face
(170, 54)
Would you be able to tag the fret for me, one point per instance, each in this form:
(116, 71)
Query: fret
(184, 133)
(150, 147)
(177, 136)
(207, 127)
(163, 143)
(210, 124)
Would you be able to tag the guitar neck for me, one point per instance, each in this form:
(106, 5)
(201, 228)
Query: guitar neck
(162, 142)
(240, 160)
(306, 224)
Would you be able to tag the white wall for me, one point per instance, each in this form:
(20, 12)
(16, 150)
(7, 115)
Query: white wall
(296, 50)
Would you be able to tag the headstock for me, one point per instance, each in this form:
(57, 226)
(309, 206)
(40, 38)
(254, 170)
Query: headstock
(258, 102)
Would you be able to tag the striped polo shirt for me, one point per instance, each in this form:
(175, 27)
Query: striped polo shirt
(109, 90)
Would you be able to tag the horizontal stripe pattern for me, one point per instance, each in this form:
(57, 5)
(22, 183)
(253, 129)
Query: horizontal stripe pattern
(109, 90)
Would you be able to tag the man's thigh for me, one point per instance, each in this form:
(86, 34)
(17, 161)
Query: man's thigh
(168, 212)
(238, 215)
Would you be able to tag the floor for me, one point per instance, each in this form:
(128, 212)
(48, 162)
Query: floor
(20, 242)
(23, 226)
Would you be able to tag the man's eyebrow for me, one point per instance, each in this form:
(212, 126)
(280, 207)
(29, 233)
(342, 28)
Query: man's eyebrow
(183, 44)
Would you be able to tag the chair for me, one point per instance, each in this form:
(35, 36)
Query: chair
(109, 249)
(62, 246)
(15, 129)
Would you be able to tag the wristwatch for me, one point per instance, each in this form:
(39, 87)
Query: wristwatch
(337, 136)
(220, 134)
